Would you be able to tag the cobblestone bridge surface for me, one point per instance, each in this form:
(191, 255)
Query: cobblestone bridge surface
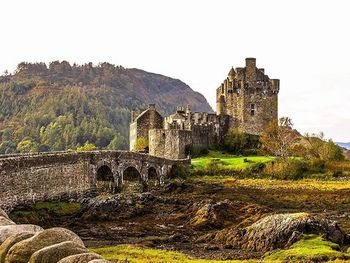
(48, 176)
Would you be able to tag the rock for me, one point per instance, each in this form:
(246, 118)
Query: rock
(6, 231)
(3, 213)
(4, 221)
(10, 241)
(80, 258)
(56, 252)
(208, 215)
(22, 251)
(281, 231)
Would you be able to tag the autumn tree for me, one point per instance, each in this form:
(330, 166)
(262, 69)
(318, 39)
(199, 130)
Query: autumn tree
(279, 137)
(141, 144)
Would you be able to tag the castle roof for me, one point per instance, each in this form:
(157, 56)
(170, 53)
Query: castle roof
(232, 72)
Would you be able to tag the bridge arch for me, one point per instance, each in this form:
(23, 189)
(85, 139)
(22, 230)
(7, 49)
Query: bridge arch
(105, 181)
(132, 180)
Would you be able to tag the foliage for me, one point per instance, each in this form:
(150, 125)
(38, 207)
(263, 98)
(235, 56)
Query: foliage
(87, 147)
(278, 138)
(310, 248)
(136, 254)
(286, 169)
(238, 142)
(180, 171)
(324, 150)
(141, 144)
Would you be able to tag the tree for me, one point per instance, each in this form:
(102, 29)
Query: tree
(141, 144)
(278, 138)
(27, 145)
(238, 142)
(87, 147)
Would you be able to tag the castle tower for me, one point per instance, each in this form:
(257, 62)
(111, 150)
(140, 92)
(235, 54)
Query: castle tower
(249, 98)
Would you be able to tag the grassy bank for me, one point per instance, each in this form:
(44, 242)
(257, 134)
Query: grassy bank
(134, 254)
(228, 161)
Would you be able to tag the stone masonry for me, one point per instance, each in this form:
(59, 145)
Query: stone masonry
(63, 175)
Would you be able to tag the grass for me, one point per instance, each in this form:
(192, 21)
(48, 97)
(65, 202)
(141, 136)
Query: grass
(311, 248)
(228, 161)
(136, 254)
(57, 208)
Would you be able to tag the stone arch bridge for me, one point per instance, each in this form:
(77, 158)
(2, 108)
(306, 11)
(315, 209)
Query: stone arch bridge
(48, 176)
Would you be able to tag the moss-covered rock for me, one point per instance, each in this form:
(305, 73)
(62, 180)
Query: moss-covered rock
(281, 231)
(54, 253)
(22, 251)
(11, 241)
(9, 230)
(80, 258)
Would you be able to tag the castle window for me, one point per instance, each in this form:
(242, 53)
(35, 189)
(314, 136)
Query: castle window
(252, 109)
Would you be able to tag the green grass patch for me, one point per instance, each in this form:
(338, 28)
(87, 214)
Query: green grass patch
(311, 248)
(228, 161)
(58, 208)
(149, 255)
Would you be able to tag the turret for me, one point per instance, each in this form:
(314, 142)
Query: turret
(250, 64)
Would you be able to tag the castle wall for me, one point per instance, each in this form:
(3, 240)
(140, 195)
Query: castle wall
(169, 144)
(149, 119)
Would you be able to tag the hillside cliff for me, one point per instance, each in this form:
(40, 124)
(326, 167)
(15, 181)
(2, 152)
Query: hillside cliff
(63, 106)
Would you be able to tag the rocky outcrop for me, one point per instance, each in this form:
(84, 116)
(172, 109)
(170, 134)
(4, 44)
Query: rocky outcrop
(9, 230)
(22, 251)
(80, 258)
(280, 231)
(56, 252)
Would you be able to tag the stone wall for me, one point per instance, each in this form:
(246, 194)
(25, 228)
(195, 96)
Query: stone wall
(169, 144)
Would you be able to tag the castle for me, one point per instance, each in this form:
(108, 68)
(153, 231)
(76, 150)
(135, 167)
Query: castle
(247, 100)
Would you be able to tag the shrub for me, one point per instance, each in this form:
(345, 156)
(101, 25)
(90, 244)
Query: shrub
(213, 165)
(286, 169)
(180, 171)
(238, 142)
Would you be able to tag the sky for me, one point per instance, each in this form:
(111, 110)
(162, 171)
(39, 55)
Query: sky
(305, 44)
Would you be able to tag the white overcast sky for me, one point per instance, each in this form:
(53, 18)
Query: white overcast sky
(306, 44)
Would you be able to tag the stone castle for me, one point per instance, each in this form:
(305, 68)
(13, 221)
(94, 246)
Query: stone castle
(247, 100)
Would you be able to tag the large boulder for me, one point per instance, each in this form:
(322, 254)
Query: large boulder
(9, 230)
(54, 253)
(281, 231)
(11, 241)
(22, 251)
(4, 221)
(80, 258)
(3, 213)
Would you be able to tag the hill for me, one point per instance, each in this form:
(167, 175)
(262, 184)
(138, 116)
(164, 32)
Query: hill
(63, 106)
(345, 145)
